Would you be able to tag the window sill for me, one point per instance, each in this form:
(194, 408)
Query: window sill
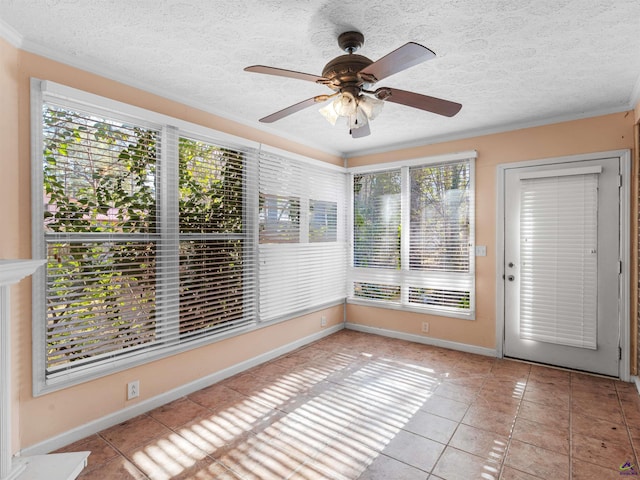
(471, 315)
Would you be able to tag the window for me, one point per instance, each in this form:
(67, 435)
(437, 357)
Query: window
(146, 232)
(214, 239)
(279, 219)
(101, 236)
(302, 246)
(323, 221)
(377, 220)
(161, 236)
(413, 236)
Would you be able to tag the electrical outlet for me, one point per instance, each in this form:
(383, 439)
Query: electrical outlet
(425, 327)
(323, 321)
(133, 389)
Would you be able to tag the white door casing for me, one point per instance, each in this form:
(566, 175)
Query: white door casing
(531, 313)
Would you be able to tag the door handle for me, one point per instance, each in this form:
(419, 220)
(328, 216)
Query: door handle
(511, 278)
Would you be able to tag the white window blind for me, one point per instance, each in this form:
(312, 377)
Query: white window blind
(302, 255)
(558, 257)
(149, 236)
(102, 236)
(377, 219)
(413, 237)
(217, 280)
(440, 235)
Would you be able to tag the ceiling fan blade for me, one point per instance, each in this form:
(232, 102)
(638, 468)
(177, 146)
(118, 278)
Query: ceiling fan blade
(362, 131)
(400, 59)
(285, 112)
(280, 72)
(417, 100)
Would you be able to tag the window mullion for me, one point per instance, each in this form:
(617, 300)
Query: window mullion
(350, 235)
(39, 247)
(472, 233)
(304, 219)
(168, 251)
(251, 196)
(405, 237)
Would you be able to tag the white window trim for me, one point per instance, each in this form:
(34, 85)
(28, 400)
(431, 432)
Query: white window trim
(404, 274)
(625, 245)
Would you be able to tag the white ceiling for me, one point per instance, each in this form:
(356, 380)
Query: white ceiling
(511, 63)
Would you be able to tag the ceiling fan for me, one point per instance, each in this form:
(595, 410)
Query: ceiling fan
(352, 76)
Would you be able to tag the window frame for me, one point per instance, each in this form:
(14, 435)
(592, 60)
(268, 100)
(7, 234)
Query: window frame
(404, 277)
(283, 281)
(279, 231)
(167, 184)
(330, 221)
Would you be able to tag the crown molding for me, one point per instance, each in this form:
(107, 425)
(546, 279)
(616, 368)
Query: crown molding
(10, 34)
(635, 94)
(497, 129)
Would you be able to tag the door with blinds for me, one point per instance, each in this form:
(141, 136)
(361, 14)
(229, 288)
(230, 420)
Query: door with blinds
(562, 264)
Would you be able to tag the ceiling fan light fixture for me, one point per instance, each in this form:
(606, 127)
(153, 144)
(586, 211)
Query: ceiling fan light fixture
(329, 112)
(357, 120)
(357, 111)
(371, 106)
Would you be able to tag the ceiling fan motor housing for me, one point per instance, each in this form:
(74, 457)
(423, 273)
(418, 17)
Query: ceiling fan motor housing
(343, 71)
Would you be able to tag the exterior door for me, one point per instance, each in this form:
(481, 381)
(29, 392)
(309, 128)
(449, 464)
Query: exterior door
(562, 264)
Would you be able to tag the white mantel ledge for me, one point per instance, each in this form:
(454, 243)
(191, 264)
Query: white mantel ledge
(12, 271)
(55, 466)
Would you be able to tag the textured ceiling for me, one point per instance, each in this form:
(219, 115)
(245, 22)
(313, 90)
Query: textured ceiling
(511, 63)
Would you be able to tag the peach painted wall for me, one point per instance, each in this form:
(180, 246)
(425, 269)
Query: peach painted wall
(39, 419)
(609, 132)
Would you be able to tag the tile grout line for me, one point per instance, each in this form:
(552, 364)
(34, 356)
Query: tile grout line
(430, 472)
(626, 423)
(121, 454)
(510, 436)
(570, 426)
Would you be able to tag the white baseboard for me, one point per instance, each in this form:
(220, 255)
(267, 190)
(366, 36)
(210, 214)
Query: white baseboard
(636, 381)
(436, 342)
(144, 406)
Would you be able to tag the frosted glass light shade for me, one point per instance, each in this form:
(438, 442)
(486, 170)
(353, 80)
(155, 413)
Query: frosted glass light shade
(329, 113)
(370, 106)
(357, 112)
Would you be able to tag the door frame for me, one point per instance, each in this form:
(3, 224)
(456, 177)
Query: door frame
(625, 245)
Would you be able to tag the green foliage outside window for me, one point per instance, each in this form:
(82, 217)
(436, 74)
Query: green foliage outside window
(103, 239)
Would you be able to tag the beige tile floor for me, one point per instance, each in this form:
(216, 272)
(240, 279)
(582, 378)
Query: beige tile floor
(360, 406)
